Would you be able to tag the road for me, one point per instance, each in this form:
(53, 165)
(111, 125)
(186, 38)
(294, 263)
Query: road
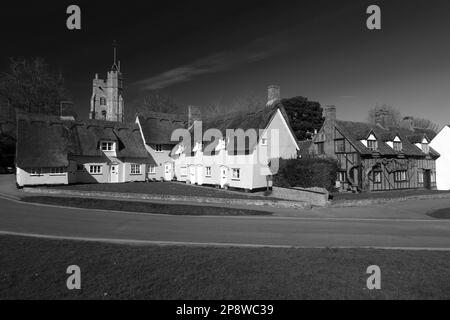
(23, 218)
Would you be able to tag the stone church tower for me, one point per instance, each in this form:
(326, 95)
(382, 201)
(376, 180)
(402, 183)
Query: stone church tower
(107, 101)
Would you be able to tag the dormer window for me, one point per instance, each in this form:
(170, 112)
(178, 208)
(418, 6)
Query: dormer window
(107, 146)
(398, 146)
(425, 147)
(372, 145)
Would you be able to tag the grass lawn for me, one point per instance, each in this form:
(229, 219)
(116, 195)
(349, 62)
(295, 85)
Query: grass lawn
(147, 207)
(163, 188)
(36, 268)
(385, 194)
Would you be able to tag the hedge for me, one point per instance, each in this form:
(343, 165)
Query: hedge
(307, 172)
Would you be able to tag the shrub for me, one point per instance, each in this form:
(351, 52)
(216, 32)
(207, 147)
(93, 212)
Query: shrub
(307, 172)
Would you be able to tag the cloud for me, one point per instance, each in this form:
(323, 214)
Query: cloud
(255, 51)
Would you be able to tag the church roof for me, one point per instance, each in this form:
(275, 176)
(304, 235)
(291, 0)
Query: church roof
(47, 141)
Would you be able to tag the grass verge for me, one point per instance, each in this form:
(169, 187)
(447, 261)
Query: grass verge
(147, 207)
(36, 269)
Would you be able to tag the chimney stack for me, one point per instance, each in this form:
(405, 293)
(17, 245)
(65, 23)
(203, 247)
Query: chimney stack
(329, 113)
(381, 117)
(195, 114)
(407, 123)
(273, 94)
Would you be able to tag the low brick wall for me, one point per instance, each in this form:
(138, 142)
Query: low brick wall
(314, 196)
(297, 204)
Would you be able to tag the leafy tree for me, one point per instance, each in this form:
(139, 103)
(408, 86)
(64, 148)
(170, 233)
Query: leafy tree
(31, 86)
(305, 116)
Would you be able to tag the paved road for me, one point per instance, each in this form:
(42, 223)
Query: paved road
(20, 217)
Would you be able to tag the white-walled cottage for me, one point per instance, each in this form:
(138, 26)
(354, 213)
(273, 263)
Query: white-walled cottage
(222, 161)
(441, 143)
(51, 151)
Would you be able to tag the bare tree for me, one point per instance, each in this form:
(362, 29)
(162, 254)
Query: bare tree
(30, 85)
(247, 102)
(426, 124)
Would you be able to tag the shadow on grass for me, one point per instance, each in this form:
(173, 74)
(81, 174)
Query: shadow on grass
(146, 207)
(440, 214)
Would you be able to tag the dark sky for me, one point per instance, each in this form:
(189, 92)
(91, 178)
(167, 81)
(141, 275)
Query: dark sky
(199, 52)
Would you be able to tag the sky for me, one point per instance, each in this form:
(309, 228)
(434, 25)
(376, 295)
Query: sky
(201, 52)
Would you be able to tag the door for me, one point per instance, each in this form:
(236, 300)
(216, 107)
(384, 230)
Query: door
(114, 173)
(168, 169)
(192, 175)
(427, 179)
(223, 176)
(200, 175)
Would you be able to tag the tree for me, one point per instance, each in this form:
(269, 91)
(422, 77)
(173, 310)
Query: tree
(247, 102)
(391, 117)
(156, 101)
(425, 124)
(31, 86)
(305, 116)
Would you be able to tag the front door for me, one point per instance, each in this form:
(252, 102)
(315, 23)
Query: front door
(427, 179)
(223, 176)
(114, 173)
(168, 172)
(192, 175)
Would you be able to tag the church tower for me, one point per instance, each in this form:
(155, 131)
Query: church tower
(107, 100)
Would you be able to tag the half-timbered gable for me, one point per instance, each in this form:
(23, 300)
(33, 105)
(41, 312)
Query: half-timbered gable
(374, 158)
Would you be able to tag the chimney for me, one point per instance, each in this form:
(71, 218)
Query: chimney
(407, 123)
(273, 94)
(381, 117)
(195, 114)
(329, 113)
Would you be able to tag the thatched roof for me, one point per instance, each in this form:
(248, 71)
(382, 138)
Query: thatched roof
(157, 128)
(47, 141)
(356, 131)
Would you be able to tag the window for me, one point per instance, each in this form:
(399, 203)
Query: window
(398, 146)
(420, 176)
(425, 148)
(35, 171)
(80, 167)
(95, 169)
(103, 102)
(236, 174)
(400, 176)
(152, 170)
(339, 145)
(377, 177)
(104, 115)
(183, 172)
(372, 145)
(320, 147)
(264, 141)
(107, 146)
(433, 177)
(135, 169)
(342, 176)
(208, 171)
(158, 148)
(57, 171)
